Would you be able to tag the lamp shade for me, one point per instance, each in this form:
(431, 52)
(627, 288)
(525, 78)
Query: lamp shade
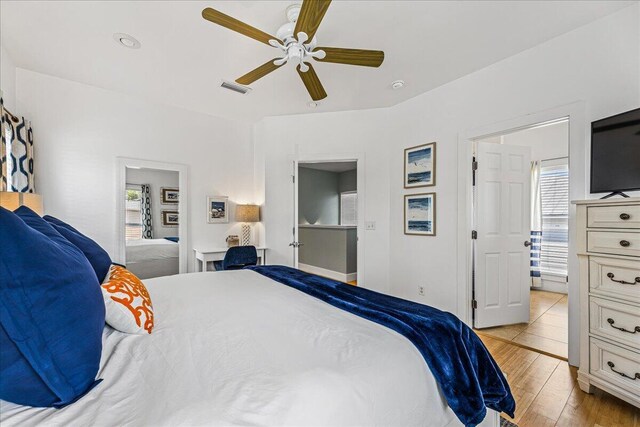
(247, 213)
(12, 200)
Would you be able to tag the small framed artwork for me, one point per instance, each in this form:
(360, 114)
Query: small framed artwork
(169, 196)
(170, 218)
(420, 214)
(217, 209)
(420, 166)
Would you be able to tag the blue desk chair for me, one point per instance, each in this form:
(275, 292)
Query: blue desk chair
(237, 257)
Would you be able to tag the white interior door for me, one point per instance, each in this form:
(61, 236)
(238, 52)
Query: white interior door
(501, 286)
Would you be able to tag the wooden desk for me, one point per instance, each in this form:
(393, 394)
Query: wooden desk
(205, 255)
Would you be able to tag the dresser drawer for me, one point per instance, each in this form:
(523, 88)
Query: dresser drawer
(618, 278)
(614, 242)
(616, 321)
(610, 362)
(620, 216)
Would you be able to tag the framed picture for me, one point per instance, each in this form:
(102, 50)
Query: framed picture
(170, 218)
(420, 214)
(420, 166)
(217, 209)
(169, 196)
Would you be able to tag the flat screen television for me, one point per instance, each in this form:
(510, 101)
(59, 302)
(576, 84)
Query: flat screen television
(615, 153)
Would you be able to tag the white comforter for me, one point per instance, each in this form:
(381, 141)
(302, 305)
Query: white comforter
(150, 249)
(236, 348)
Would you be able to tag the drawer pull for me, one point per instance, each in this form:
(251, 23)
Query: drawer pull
(611, 276)
(625, 243)
(625, 216)
(611, 366)
(611, 322)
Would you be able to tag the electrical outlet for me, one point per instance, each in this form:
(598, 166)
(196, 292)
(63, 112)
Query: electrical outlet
(370, 225)
(421, 290)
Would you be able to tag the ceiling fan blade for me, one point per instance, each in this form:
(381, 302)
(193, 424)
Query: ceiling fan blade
(233, 24)
(312, 83)
(258, 73)
(365, 58)
(310, 16)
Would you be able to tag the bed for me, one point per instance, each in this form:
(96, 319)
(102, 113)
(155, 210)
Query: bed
(147, 258)
(238, 348)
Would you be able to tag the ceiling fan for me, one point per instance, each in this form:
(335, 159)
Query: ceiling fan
(297, 43)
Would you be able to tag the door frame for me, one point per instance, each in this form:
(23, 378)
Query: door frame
(122, 163)
(359, 158)
(578, 168)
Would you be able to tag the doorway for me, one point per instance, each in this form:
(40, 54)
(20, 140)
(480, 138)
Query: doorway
(327, 219)
(520, 255)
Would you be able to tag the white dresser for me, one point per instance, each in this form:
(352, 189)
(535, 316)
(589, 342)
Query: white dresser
(609, 255)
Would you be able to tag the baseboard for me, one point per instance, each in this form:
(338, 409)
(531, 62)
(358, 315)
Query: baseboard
(335, 275)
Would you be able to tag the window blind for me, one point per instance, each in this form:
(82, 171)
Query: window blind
(554, 194)
(349, 208)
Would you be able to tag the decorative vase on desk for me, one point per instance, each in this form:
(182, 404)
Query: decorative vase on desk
(233, 240)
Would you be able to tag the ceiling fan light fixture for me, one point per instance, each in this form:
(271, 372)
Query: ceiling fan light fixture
(127, 41)
(312, 104)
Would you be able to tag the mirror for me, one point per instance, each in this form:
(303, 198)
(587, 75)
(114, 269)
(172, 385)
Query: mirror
(152, 216)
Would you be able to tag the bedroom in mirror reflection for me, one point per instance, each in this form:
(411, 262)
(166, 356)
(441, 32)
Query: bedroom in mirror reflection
(151, 222)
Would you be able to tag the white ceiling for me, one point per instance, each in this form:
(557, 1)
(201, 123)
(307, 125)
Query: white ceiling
(184, 58)
(337, 167)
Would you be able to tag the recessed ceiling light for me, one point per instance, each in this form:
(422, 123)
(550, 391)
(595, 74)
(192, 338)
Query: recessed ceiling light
(126, 40)
(398, 84)
(312, 104)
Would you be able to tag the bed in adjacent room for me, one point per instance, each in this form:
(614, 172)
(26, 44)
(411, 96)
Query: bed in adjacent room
(147, 258)
(240, 348)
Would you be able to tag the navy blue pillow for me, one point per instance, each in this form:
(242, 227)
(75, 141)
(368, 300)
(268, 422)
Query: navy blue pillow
(51, 314)
(98, 257)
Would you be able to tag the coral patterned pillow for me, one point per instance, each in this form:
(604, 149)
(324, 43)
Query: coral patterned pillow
(127, 300)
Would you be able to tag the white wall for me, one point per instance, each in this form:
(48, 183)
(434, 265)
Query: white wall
(598, 64)
(546, 142)
(156, 179)
(8, 80)
(79, 131)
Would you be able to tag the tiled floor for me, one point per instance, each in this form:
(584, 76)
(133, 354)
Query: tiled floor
(547, 329)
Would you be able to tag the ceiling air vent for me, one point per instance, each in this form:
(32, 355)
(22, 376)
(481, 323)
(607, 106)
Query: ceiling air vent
(235, 87)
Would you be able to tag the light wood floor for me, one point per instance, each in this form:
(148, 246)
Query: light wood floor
(548, 327)
(547, 393)
(353, 282)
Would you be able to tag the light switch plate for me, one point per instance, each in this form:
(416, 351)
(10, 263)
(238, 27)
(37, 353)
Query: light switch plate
(370, 225)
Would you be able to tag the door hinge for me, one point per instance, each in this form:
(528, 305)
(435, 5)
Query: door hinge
(474, 304)
(474, 234)
(293, 179)
(474, 168)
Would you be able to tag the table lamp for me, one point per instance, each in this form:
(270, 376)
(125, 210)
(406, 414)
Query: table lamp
(12, 200)
(247, 214)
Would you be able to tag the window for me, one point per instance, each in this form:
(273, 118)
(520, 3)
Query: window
(349, 208)
(133, 214)
(554, 196)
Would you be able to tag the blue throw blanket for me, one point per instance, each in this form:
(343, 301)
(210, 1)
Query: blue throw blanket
(463, 368)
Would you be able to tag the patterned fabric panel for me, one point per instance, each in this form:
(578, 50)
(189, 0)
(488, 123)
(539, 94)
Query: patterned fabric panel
(16, 153)
(145, 211)
(129, 307)
(3, 148)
